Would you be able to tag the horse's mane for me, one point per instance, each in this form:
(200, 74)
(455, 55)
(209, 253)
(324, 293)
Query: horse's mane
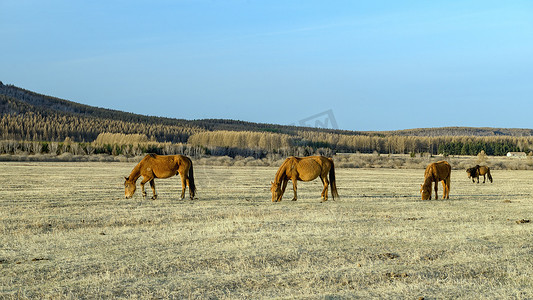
(135, 173)
(280, 174)
(427, 182)
(428, 174)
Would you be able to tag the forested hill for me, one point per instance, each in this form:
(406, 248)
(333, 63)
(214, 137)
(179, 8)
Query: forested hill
(29, 116)
(16, 102)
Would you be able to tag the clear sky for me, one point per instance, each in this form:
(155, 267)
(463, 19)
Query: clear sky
(376, 65)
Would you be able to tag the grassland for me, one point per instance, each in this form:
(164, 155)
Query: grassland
(67, 233)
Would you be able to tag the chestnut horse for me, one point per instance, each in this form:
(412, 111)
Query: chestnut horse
(478, 170)
(304, 169)
(435, 172)
(161, 166)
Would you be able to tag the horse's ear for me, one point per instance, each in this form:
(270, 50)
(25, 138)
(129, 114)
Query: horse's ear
(126, 178)
(272, 182)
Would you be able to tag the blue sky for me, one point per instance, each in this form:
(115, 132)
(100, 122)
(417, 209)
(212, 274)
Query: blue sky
(377, 65)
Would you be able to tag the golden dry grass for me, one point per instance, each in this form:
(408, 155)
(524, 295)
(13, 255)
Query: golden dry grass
(67, 232)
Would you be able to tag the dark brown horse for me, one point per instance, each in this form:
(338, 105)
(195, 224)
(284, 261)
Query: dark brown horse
(478, 170)
(161, 166)
(435, 172)
(304, 169)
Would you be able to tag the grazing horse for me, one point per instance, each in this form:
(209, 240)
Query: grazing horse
(304, 169)
(435, 172)
(478, 170)
(161, 166)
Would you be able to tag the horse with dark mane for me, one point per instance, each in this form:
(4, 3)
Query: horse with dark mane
(161, 166)
(435, 172)
(304, 169)
(478, 170)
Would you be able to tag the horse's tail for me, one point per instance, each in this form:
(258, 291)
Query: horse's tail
(488, 175)
(192, 186)
(332, 181)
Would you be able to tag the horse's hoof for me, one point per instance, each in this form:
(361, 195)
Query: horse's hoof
(154, 197)
(294, 199)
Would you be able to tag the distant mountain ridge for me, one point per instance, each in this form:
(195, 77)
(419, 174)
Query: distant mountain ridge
(462, 131)
(15, 100)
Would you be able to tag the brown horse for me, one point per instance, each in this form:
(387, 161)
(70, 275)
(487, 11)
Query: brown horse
(304, 169)
(161, 166)
(435, 172)
(478, 170)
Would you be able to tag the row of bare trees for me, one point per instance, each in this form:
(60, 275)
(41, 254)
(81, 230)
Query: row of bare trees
(52, 126)
(242, 139)
(106, 143)
(452, 145)
(260, 144)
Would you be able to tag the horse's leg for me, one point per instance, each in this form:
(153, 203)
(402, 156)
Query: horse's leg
(448, 184)
(183, 186)
(484, 178)
(436, 190)
(145, 180)
(445, 189)
(283, 186)
(142, 189)
(152, 185)
(294, 188)
(190, 190)
(325, 190)
(322, 194)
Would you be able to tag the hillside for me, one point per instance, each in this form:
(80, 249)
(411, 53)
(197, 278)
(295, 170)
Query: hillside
(17, 101)
(29, 116)
(20, 101)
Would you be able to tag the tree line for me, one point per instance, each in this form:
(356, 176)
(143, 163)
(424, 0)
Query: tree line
(111, 148)
(261, 144)
(447, 145)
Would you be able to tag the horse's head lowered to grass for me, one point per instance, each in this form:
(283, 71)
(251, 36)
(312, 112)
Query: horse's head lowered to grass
(425, 192)
(275, 188)
(129, 188)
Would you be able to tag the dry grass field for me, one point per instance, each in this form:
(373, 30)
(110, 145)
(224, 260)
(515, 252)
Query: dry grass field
(68, 233)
